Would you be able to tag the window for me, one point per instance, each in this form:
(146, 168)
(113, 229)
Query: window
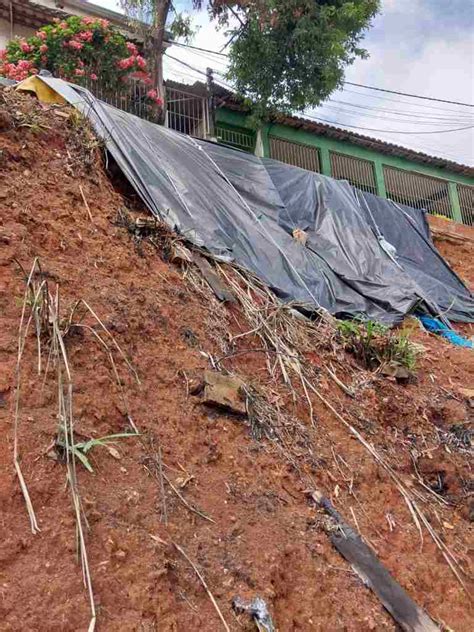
(358, 172)
(240, 140)
(296, 154)
(466, 202)
(418, 191)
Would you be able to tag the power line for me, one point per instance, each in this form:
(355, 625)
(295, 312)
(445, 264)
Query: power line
(387, 131)
(406, 94)
(183, 63)
(366, 95)
(424, 116)
(203, 50)
(201, 72)
(383, 117)
(348, 83)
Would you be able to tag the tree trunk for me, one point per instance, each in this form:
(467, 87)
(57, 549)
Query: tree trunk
(161, 15)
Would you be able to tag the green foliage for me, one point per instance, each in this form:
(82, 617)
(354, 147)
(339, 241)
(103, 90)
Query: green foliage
(81, 450)
(291, 54)
(376, 345)
(182, 27)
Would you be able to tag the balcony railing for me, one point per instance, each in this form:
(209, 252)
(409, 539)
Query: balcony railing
(186, 112)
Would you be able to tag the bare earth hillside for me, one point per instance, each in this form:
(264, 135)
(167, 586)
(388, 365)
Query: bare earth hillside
(228, 492)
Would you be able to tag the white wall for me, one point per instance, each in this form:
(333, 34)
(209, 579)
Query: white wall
(18, 29)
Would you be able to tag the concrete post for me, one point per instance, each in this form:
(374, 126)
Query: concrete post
(325, 161)
(454, 199)
(379, 179)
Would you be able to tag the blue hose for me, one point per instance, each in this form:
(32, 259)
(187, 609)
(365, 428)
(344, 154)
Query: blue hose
(435, 326)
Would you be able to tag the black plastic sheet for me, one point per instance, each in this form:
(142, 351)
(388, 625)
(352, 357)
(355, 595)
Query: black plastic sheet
(243, 208)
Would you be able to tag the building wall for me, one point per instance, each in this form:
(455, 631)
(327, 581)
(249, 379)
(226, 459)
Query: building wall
(18, 30)
(325, 145)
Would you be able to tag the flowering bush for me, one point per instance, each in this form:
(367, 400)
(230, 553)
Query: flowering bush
(77, 49)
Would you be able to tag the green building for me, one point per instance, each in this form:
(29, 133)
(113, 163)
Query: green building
(440, 186)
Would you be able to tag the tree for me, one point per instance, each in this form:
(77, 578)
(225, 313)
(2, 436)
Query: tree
(77, 49)
(284, 54)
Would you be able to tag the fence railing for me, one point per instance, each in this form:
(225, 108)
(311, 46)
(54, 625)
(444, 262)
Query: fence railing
(186, 112)
(241, 140)
(418, 191)
(359, 172)
(466, 203)
(296, 154)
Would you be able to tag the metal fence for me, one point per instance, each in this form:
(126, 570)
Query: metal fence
(240, 140)
(185, 112)
(466, 203)
(297, 154)
(133, 99)
(360, 173)
(418, 191)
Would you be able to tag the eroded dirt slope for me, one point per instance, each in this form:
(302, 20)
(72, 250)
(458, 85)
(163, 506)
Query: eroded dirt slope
(265, 538)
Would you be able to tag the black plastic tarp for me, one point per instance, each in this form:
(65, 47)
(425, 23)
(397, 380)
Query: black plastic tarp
(408, 231)
(244, 208)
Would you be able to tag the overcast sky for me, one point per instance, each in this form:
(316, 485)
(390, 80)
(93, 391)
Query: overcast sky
(423, 47)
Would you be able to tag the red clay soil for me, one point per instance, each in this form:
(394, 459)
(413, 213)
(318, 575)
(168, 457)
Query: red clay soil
(455, 242)
(266, 538)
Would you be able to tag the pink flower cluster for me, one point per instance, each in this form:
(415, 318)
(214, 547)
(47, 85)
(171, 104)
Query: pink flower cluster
(86, 36)
(141, 63)
(142, 76)
(42, 35)
(18, 71)
(125, 64)
(74, 44)
(25, 47)
(153, 96)
(132, 62)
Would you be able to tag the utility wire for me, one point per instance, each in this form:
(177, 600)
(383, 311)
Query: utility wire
(406, 94)
(203, 50)
(347, 83)
(387, 131)
(409, 114)
(425, 106)
(315, 118)
(415, 121)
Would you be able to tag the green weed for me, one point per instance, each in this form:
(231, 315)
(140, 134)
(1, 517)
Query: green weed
(375, 345)
(81, 450)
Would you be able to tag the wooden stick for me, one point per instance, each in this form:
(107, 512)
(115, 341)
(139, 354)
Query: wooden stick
(365, 563)
(206, 588)
(86, 204)
(185, 502)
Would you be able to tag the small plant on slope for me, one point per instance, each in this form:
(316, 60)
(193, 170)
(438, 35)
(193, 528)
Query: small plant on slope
(376, 345)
